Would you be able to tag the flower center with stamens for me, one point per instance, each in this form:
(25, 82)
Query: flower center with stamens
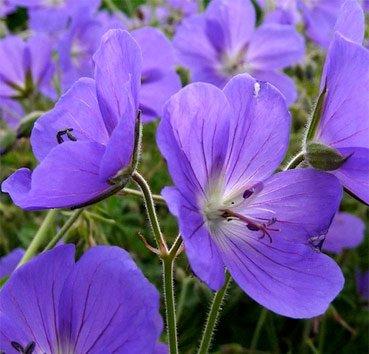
(233, 64)
(219, 209)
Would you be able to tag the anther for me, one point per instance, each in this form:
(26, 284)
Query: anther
(67, 132)
(29, 349)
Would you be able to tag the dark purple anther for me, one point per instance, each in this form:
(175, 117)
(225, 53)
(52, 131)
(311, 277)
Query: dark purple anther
(248, 193)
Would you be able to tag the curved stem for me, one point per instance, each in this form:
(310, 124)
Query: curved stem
(40, 238)
(151, 212)
(295, 161)
(157, 198)
(64, 229)
(213, 317)
(259, 326)
(170, 307)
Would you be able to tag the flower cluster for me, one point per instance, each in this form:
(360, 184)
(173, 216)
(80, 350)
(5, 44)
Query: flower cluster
(242, 210)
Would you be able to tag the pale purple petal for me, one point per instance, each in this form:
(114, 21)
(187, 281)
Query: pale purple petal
(230, 24)
(259, 132)
(354, 173)
(281, 81)
(11, 112)
(346, 231)
(10, 261)
(351, 21)
(195, 129)
(274, 46)
(30, 300)
(77, 109)
(118, 76)
(347, 99)
(159, 79)
(66, 177)
(107, 305)
(200, 249)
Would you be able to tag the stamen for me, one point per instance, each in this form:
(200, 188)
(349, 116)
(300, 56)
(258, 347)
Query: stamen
(317, 242)
(29, 349)
(251, 224)
(67, 132)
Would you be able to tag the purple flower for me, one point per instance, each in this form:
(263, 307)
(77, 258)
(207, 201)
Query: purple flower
(266, 229)
(346, 231)
(53, 15)
(89, 137)
(25, 66)
(77, 45)
(9, 262)
(100, 304)
(159, 79)
(362, 283)
(223, 42)
(344, 120)
(318, 17)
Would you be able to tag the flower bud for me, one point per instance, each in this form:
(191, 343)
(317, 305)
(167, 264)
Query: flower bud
(323, 157)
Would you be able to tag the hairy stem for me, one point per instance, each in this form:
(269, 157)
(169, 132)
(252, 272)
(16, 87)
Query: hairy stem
(40, 238)
(295, 161)
(157, 198)
(213, 317)
(60, 234)
(170, 307)
(151, 212)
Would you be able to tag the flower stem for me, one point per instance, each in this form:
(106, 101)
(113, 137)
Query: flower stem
(170, 308)
(151, 212)
(259, 326)
(157, 198)
(295, 161)
(213, 317)
(40, 238)
(64, 229)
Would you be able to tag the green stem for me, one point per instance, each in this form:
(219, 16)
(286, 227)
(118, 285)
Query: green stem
(259, 326)
(170, 307)
(157, 198)
(60, 234)
(151, 212)
(213, 317)
(295, 161)
(40, 238)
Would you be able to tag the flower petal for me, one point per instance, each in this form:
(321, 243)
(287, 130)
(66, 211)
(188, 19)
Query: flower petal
(259, 131)
(29, 300)
(346, 80)
(200, 249)
(230, 24)
(107, 305)
(67, 177)
(354, 173)
(118, 65)
(346, 231)
(193, 136)
(77, 109)
(291, 279)
(10, 261)
(274, 46)
(351, 21)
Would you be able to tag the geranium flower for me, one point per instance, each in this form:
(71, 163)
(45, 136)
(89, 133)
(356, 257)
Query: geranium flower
(222, 148)
(26, 66)
(89, 137)
(223, 42)
(318, 17)
(346, 231)
(100, 304)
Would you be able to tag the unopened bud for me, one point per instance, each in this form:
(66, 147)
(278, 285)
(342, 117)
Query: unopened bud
(323, 157)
